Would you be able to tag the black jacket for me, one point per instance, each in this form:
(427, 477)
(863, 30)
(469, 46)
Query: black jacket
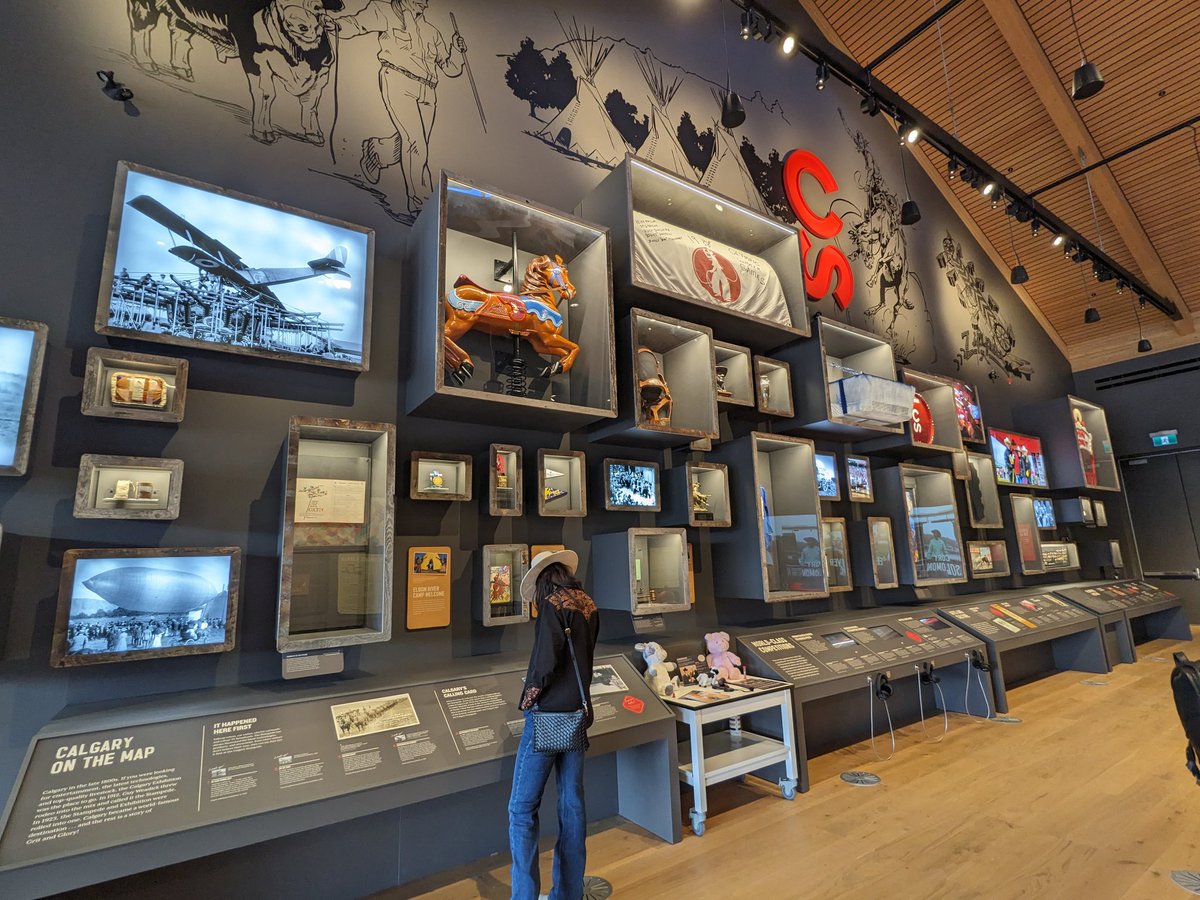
(550, 680)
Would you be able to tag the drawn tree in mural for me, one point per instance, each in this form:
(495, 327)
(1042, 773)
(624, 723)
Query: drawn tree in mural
(697, 146)
(624, 116)
(990, 338)
(540, 83)
(768, 178)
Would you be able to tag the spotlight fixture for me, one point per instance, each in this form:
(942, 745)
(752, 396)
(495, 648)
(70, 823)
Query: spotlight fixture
(1120, 287)
(733, 113)
(869, 105)
(913, 134)
(1091, 316)
(997, 197)
(1034, 227)
(1087, 80)
(822, 74)
(1068, 249)
(789, 47)
(969, 175)
(747, 23)
(1096, 270)
(952, 167)
(764, 30)
(1144, 345)
(987, 189)
(1058, 240)
(910, 213)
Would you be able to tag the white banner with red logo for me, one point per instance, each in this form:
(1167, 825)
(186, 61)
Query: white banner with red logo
(683, 262)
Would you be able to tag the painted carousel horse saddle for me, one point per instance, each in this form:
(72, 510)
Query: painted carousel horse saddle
(472, 298)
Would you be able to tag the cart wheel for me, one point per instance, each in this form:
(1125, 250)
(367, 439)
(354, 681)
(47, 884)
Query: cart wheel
(697, 823)
(787, 787)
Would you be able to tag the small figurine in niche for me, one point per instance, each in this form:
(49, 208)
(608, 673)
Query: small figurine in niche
(722, 372)
(654, 395)
(1087, 454)
(764, 391)
(532, 314)
(699, 498)
(658, 670)
(501, 472)
(728, 664)
(437, 481)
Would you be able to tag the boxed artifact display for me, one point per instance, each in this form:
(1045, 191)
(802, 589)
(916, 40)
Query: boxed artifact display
(875, 560)
(983, 499)
(253, 281)
(989, 559)
(733, 376)
(117, 605)
(335, 581)
(631, 485)
(968, 412)
(123, 385)
(512, 317)
(1075, 510)
(1101, 513)
(128, 487)
(773, 386)
(506, 480)
(562, 483)
(1043, 512)
(923, 499)
(1025, 533)
(1059, 556)
(690, 252)
(22, 349)
(440, 476)
(1078, 444)
(933, 426)
(837, 555)
(504, 565)
(642, 571)
(698, 495)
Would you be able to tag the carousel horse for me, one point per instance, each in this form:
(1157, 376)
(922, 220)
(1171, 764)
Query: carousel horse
(532, 314)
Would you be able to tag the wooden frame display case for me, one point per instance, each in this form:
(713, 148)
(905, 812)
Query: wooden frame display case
(666, 386)
(1101, 513)
(1025, 536)
(145, 603)
(462, 249)
(118, 384)
(983, 497)
(940, 426)
(1076, 511)
(860, 487)
(440, 476)
(22, 352)
(836, 354)
(336, 544)
(773, 387)
(988, 559)
(923, 499)
(1060, 556)
(128, 487)
(631, 485)
(501, 603)
(739, 374)
(687, 484)
(875, 557)
(773, 551)
(506, 480)
(1076, 442)
(696, 254)
(836, 546)
(565, 471)
(642, 571)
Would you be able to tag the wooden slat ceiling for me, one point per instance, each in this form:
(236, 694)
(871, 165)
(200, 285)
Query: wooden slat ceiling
(1145, 51)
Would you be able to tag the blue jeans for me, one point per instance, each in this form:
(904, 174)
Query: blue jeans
(570, 855)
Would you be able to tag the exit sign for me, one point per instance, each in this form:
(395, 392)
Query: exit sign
(1164, 438)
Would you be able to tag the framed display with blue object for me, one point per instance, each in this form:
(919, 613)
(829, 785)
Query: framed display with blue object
(22, 350)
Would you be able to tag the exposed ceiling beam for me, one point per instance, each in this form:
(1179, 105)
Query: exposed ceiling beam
(1045, 81)
(936, 176)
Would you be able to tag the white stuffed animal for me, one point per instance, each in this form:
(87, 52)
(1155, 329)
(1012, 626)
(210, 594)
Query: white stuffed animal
(658, 670)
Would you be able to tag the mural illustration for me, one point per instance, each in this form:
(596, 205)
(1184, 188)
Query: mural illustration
(990, 338)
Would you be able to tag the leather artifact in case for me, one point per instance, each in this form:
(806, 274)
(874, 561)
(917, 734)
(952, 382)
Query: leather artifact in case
(138, 389)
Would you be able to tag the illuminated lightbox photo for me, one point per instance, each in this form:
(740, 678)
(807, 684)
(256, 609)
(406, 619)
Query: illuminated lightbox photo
(118, 605)
(1018, 458)
(631, 485)
(968, 413)
(859, 486)
(1043, 512)
(828, 487)
(22, 347)
(194, 264)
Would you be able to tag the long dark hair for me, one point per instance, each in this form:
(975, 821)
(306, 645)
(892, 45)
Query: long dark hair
(552, 578)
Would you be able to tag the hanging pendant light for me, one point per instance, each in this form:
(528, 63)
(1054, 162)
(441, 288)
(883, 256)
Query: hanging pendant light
(1020, 274)
(733, 113)
(1088, 81)
(1091, 316)
(910, 213)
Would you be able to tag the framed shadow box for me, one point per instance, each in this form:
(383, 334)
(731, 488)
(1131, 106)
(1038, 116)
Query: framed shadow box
(128, 487)
(118, 384)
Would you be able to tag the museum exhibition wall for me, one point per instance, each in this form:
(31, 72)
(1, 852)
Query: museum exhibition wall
(359, 408)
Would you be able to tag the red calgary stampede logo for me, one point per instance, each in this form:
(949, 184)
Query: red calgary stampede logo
(716, 275)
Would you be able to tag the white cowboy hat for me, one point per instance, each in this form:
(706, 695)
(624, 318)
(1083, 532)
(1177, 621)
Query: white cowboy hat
(568, 558)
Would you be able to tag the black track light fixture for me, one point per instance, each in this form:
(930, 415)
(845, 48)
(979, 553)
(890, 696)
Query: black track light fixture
(1144, 345)
(952, 167)
(788, 47)
(869, 105)
(910, 213)
(969, 175)
(1034, 226)
(1019, 274)
(733, 113)
(113, 89)
(1091, 316)
(988, 188)
(1058, 240)
(747, 24)
(822, 74)
(1087, 80)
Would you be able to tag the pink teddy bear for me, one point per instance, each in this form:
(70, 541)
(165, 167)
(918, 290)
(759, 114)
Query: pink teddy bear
(728, 665)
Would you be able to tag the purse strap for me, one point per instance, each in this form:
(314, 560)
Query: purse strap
(574, 660)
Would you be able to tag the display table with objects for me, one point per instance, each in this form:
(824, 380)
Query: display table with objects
(1150, 612)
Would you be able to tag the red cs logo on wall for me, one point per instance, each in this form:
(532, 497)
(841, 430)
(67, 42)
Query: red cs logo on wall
(716, 275)
(830, 262)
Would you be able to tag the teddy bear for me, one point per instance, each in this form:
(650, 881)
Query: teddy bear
(658, 670)
(729, 665)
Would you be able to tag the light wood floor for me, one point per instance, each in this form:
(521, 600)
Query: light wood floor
(1087, 798)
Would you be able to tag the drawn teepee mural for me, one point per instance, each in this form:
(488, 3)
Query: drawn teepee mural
(583, 128)
(727, 172)
(662, 146)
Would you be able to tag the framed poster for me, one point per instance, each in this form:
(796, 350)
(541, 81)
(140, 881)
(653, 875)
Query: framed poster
(428, 588)
(193, 264)
(22, 349)
(859, 487)
(117, 605)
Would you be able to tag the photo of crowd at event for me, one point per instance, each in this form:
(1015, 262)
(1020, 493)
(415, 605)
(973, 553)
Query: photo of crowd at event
(632, 485)
(106, 633)
(375, 715)
(1018, 458)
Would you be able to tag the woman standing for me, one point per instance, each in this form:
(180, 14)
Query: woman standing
(564, 613)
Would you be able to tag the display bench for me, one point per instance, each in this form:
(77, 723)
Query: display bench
(831, 662)
(845, 383)
(933, 428)
(1029, 635)
(145, 784)
(923, 503)
(1076, 442)
(1150, 612)
(693, 253)
(511, 312)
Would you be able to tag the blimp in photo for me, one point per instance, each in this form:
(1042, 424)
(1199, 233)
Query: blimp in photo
(146, 589)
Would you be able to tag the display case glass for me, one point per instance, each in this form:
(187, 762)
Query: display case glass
(336, 568)
(642, 571)
(631, 485)
(562, 485)
(1060, 556)
(989, 559)
(829, 485)
(506, 480)
(1079, 449)
(707, 495)
(1101, 513)
(933, 426)
(1018, 459)
(690, 251)
(22, 349)
(512, 321)
(837, 555)
(983, 500)
(773, 386)
(439, 476)
(883, 552)
(504, 565)
(128, 487)
(859, 486)
(1025, 533)
(923, 499)
(118, 384)
(733, 376)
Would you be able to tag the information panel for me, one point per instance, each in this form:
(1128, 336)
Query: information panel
(1004, 618)
(87, 791)
(1135, 597)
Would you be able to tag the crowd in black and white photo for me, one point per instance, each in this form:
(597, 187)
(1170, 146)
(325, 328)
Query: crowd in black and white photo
(631, 486)
(124, 634)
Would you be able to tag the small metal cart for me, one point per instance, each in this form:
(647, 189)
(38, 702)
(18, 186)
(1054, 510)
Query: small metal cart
(734, 752)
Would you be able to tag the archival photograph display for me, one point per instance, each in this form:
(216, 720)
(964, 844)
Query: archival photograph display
(933, 538)
(859, 488)
(988, 559)
(373, 716)
(1018, 458)
(194, 264)
(1043, 512)
(969, 413)
(632, 485)
(117, 605)
(607, 680)
(22, 348)
(828, 485)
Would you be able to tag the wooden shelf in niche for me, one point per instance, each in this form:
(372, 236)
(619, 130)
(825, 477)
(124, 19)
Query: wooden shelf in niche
(687, 251)
(739, 374)
(922, 502)
(336, 567)
(128, 487)
(506, 480)
(470, 231)
(440, 476)
(938, 394)
(504, 565)
(642, 571)
(773, 387)
(565, 471)
(154, 388)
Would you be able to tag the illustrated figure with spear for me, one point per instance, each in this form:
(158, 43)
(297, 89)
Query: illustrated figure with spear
(413, 55)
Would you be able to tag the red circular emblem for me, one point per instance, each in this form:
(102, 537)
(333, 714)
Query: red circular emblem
(716, 275)
(922, 421)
